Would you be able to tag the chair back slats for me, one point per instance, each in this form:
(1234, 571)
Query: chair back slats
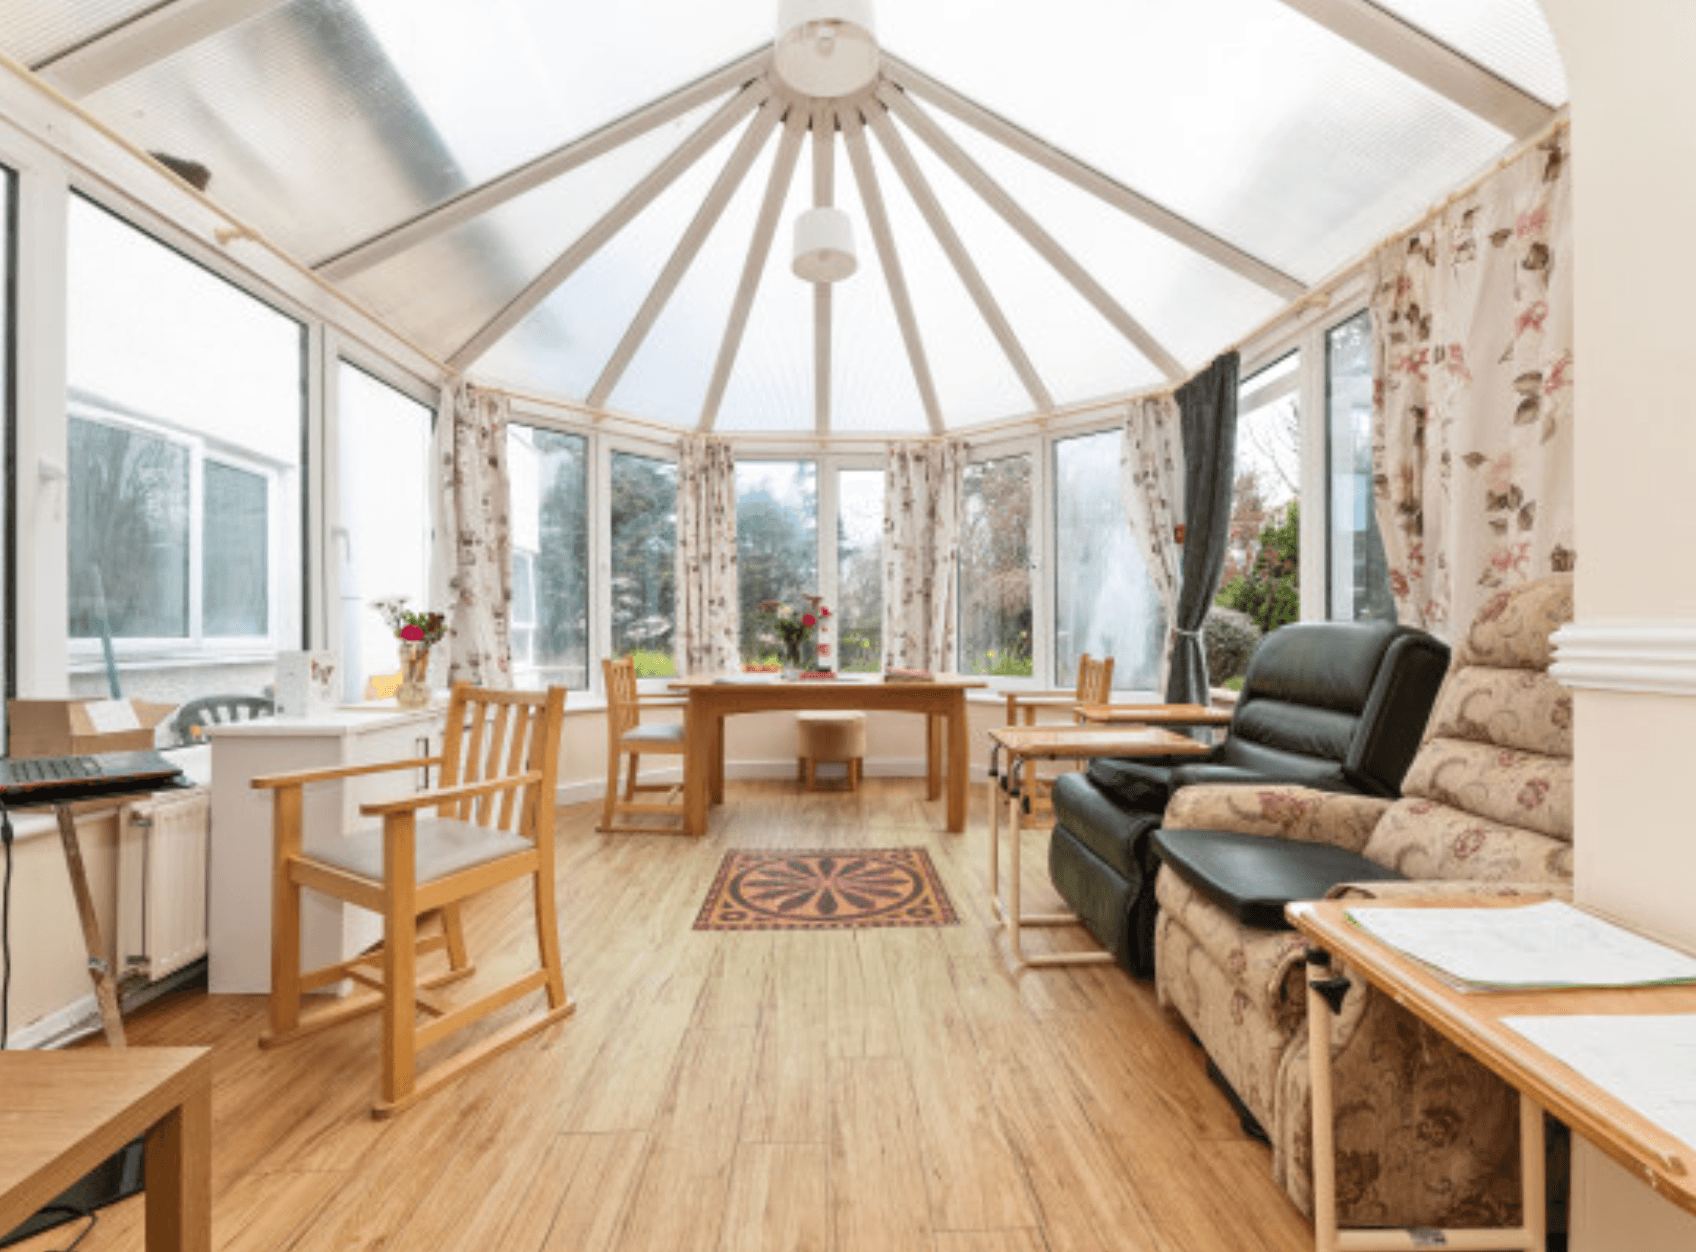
(499, 734)
(623, 712)
(1095, 680)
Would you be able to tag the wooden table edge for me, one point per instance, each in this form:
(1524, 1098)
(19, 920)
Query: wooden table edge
(1555, 1086)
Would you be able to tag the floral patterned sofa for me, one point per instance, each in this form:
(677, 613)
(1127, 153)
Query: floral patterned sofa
(1425, 1136)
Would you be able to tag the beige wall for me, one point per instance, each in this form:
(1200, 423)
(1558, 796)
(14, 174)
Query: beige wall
(1634, 154)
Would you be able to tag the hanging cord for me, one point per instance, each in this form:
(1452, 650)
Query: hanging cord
(73, 1212)
(6, 929)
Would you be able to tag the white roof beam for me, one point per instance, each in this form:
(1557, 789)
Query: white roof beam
(1046, 245)
(1080, 174)
(753, 267)
(153, 35)
(614, 220)
(688, 247)
(931, 209)
(824, 192)
(476, 201)
(871, 197)
(1430, 61)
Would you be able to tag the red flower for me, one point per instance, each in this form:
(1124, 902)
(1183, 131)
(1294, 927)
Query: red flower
(414, 633)
(807, 619)
(823, 612)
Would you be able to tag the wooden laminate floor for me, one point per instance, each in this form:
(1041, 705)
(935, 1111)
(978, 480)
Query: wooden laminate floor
(840, 1091)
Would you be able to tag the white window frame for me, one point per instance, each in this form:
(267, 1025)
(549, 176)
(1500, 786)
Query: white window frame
(1042, 561)
(195, 647)
(602, 446)
(598, 632)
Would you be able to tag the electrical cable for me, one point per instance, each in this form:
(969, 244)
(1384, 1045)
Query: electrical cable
(75, 1212)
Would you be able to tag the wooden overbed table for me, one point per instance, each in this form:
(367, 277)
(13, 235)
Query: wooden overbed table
(942, 700)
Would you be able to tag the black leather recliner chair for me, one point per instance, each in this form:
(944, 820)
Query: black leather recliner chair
(1336, 705)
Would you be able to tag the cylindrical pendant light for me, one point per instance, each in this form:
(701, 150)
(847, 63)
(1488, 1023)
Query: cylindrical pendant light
(824, 246)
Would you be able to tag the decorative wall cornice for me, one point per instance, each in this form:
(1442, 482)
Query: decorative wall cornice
(1644, 657)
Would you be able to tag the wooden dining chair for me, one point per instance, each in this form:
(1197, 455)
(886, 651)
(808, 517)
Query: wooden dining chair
(1095, 686)
(628, 740)
(493, 822)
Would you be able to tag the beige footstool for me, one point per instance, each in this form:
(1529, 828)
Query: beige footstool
(831, 736)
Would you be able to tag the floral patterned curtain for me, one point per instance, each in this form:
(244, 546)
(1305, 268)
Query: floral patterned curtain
(471, 568)
(708, 610)
(1151, 486)
(921, 552)
(1472, 380)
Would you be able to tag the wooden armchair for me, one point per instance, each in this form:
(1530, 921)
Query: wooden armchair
(628, 739)
(494, 822)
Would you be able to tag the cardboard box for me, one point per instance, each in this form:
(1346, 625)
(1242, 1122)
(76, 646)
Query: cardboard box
(75, 727)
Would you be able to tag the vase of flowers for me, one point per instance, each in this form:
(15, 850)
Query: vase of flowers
(417, 632)
(793, 625)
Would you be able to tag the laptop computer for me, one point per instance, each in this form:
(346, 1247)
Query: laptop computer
(52, 779)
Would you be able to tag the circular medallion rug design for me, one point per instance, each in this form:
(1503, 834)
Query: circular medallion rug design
(825, 889)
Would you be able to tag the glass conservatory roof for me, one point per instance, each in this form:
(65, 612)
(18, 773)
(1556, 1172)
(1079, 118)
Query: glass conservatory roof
(1051, 204)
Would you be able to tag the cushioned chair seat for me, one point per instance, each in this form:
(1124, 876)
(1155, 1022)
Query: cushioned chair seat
(445, 846)
(1252, 877)
(656, 732)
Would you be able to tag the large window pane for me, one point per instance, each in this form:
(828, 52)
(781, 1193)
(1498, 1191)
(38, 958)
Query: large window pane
(995, 568)
(550, 556)
(129, 532)
(859, 571)
(1104, 603)
(644, 572)
(385, 514)
(184, 452)
(1262, 575)
(777, 545)
(236, 530)
(1358, 576)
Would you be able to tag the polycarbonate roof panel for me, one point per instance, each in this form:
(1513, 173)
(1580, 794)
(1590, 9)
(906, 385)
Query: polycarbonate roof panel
(1511, 38)
(1078, 354)
(668, 378)
(1242, 115)
(443, 290)
(325, 121)
(871, 377)
(771, 386)
(1191, 305)
(975, 382)
(33, 31)
(563, 346)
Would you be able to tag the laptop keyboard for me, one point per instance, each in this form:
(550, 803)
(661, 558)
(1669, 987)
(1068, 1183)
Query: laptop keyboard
(54, 769)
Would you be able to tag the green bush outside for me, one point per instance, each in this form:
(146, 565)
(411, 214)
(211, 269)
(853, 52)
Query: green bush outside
(654, 664)
(1002, 665)
(1270, 591)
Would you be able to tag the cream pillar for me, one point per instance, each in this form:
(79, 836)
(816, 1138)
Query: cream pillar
(1631, 655)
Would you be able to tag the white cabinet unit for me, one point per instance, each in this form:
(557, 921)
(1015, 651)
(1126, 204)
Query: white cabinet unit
(239, 934)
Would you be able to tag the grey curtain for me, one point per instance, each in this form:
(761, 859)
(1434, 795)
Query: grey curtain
(1207, 416)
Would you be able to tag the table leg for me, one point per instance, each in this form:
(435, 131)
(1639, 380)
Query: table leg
(697, 769)
(99, 969)
(1015, 828)
(718, 757)
(179, 1177)
(933, 759)
(1534, 1215)
(994, 837)
(959, 764)
(1324, 1144)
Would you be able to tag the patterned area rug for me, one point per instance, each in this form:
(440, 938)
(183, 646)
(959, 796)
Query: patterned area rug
(829, 889)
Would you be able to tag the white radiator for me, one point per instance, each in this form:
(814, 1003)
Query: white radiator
(163, 844)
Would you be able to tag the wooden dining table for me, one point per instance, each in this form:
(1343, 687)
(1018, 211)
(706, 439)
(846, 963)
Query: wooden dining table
(942, 701)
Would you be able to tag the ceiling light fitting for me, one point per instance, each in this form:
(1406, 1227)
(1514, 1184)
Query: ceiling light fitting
(824, 246)
(825, 49)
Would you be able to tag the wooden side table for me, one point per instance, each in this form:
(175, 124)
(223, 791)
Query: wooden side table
(1024, 745)
(62, 1113)
(1474, 1021)
(1152, 715)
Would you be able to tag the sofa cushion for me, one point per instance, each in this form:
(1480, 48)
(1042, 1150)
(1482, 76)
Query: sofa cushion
(1116, 835)
(1139, 784)
(1252, 877)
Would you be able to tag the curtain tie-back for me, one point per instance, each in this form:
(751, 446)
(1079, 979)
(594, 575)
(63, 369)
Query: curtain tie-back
(1187, 634)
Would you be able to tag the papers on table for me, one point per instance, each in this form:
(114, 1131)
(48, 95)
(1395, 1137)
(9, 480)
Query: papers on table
(1538, 945)
(1644, 1062)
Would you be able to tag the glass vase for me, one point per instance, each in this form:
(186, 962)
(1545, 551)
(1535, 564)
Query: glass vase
(414, 689)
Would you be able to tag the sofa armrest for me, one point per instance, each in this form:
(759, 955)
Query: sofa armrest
(1285, 812)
